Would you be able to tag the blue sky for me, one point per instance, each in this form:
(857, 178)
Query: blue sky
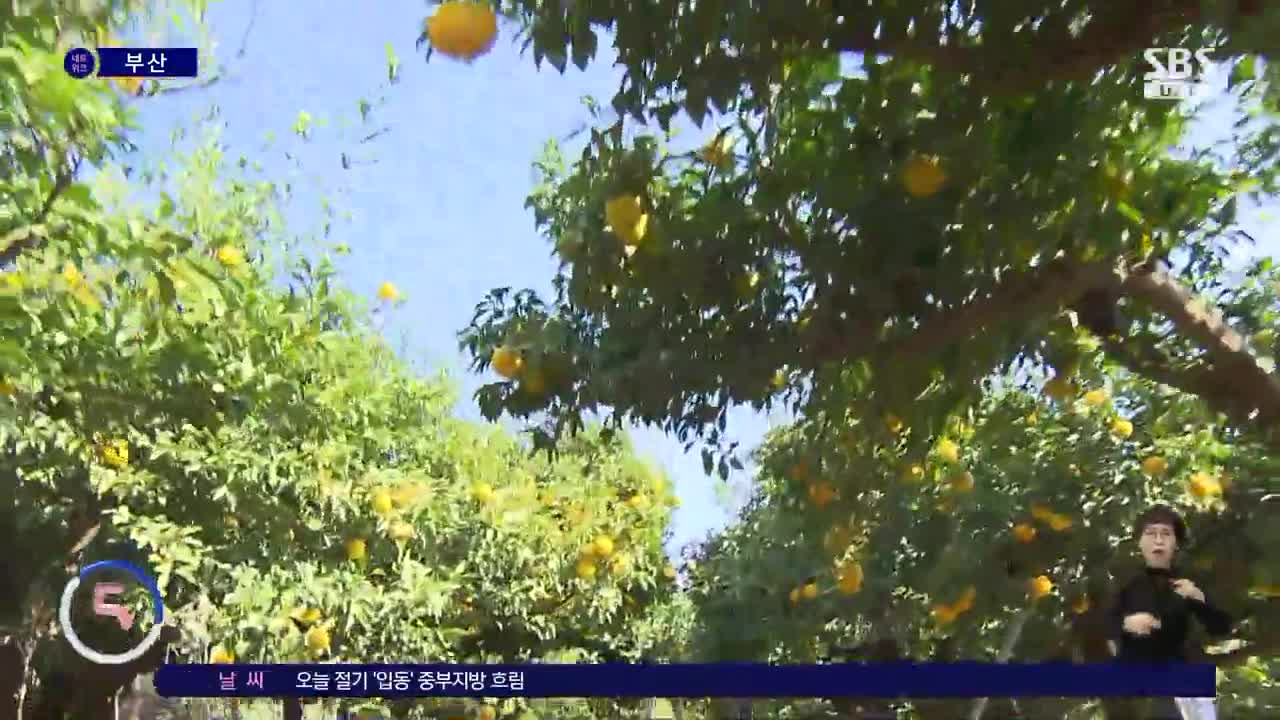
(437, 202)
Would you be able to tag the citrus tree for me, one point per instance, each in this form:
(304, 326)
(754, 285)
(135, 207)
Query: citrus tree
(915, 192)
(996, 540)
(895, 205)
(181, 388)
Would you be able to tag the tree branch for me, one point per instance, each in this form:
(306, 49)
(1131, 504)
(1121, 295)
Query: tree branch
(26, 237)
(1117, 32)
(1234, 381)
(1018, 298)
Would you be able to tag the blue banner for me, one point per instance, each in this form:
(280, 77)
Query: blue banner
(738, 680)
(148, 62)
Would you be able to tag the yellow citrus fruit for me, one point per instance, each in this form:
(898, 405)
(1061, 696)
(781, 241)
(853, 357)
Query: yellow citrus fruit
(1155, 466)
(944, 614)
(912, 473)
(585, 569)
(809, 591)
(948, 451)
(1059, 388)
(507, 362)
(357, 549)
(718, 151)
(619, 564)
(794, 596)
(1024, 533)
(115, 453)
(1040, 586)
(1203, 485)
(220, 655)
(1096, 398)
(463, 30)
(1081, 605)
(307, 616)
(967, 598)
(1121, 429)
(483, 493)
(230, 256)
(638, 501)
(1059, 522)
(669, 572)
(822, 494)
(400, 530)
(317, 640)
(798, 471)
(8, 389)
(962, 482)
(894, 424)
(849, 578)
(388, 291)
(487, 712)
(923, 176)
(383, 503)
(627, 219)
(602, 546)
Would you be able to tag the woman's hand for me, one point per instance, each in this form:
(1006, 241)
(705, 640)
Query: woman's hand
(1141, 623)
(1188, 590)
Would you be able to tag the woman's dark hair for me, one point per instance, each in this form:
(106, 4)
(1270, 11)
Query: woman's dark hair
(1162, 515)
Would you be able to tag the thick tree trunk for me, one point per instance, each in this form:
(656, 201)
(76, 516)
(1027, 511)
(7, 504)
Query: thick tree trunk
(12, 671)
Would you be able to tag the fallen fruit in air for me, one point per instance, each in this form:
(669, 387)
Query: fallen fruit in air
(463, 30)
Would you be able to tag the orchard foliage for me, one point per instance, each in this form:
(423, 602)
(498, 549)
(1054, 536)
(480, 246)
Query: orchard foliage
(180, 386)
(910, 223)
(1008, 524)
(907, 214)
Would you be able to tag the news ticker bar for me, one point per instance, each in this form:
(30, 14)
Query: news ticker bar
(733, 680)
